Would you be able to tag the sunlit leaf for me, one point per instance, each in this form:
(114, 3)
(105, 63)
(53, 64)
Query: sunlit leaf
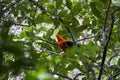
(43, 18)
(116, 2)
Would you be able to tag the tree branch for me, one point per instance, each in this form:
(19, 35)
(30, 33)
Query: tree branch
(79, 74)
(71, 34)
(39, 6)
(86, 38)
(109, 37)
(114, 76)
(114, 55)
(2, 11)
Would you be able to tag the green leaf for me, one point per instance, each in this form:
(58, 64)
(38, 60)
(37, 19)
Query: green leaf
(14, 48)
(89, 50)
(22, 35)
(70, 52)
(26, 28)
(83, 27)
(56, 31)
(69, 4)
(56, 21)
(40, 74)
(51, 8)
(43, 18)
(24, 62)
(48, 33)
(8, 24)
(95, 11)
(104, 1)
(75, 22)
(72, 65)
(59, 3)
(76, 8)
(66, 16)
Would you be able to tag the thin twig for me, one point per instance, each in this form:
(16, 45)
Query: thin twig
(106, 46)
(39, 6)
(116, 10)
(114, 76)
(79, 74)
(111, 67)
(8, 7)
(33, 20)
(20, 24)
(109, 38)
(53, 52)
(114, 55)
(71, 34)
(50, 42)
(86, 38)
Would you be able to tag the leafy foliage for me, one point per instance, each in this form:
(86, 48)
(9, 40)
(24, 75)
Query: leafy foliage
(28, 44)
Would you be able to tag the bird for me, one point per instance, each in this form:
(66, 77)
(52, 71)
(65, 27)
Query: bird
(63, 43)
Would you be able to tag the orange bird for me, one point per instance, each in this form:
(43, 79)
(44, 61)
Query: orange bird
(63, 43)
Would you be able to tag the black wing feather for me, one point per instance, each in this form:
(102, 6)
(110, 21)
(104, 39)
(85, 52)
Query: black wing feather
(67, 44)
